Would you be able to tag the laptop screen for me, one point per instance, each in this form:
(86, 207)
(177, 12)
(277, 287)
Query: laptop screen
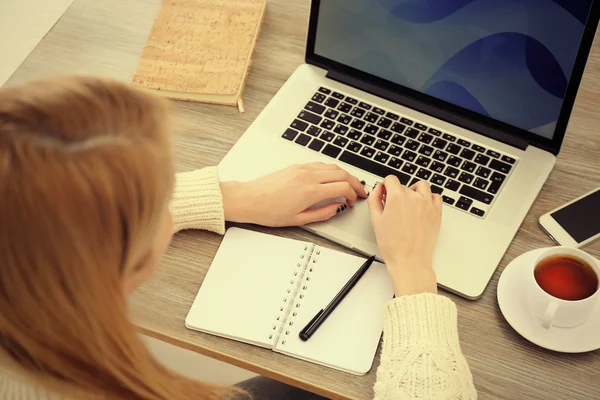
(507, 60)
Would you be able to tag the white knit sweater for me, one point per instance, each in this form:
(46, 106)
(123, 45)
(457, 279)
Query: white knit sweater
(421, 356)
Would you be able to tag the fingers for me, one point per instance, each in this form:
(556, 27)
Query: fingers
(393, 185)
(437, 201)
(320, 213)
(339, 175)
(338, 189)
(375, 200)
(423, 188)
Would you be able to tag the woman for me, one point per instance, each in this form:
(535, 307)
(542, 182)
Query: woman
(86, 181)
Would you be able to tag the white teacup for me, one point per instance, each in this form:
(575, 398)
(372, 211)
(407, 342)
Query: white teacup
(553, 311)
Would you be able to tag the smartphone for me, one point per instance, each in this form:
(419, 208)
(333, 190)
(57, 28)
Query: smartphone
(575, 224)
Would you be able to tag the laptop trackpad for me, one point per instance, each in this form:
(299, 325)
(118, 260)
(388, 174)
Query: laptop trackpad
(355, 220)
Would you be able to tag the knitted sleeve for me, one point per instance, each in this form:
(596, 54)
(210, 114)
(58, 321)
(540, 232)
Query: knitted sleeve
(421, 357)
(197, 201)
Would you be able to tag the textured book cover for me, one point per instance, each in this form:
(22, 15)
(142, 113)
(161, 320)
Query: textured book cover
(201, 50)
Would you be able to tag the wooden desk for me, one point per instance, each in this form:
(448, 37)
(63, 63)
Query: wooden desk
(106, 37)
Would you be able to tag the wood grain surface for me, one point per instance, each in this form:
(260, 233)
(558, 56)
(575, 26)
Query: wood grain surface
(107, 38)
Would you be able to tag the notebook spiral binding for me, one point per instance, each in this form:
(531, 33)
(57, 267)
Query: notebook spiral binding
(292, 300)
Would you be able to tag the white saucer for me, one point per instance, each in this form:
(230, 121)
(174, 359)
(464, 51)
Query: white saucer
(513, 304)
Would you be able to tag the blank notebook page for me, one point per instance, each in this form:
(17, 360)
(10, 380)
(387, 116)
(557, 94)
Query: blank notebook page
(244, 287)
(349, 337)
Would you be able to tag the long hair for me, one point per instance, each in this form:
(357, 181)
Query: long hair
(85, 178)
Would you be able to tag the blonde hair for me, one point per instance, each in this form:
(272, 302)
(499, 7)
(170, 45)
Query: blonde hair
(85, 177)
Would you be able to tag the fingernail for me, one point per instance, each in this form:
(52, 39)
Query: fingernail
(341, 208)
(376, 183)
(363, 183)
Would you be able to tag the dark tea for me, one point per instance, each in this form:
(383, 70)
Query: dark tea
(566, 277)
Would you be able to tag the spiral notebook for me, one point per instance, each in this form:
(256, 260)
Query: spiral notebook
(263, 289)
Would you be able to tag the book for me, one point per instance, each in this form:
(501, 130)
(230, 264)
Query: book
(201, 50)
(263, 290)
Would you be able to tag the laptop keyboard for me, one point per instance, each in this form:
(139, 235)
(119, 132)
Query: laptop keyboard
(468, 176)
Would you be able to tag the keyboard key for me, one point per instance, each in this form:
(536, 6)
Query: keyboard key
(384, 134)
(384, 122)
(424, 174)
(412, 133)
(481, 183)
(440, 155)
(426, 150)
(494, 187)
(357, 123)
(371, 117)
(395, 163)
(496, 177)
(354, 134)
(367, 152)
(357, 112)
(398, 128)
(464, 143)
(382, 157)
(423, 161)
(466, 178)
(469, 166)
(439, 143)
(454, 161)
(437, 166)
(299, 125)
(452, 185)
(372, 167)
(289, 134)
(395, 150)
(493, 153)
(351, 100)
(451, 172)
(425, 138)
(453, 148)
(355, 147)
(434, 131)
(508, 159)
(483, 172)
(438, 179)
(314, 107)
(468, 154)
(381, 145)
(436, 189)
(331, 151)
(338, 95)
(398, 139)
(331, 114)
(344, 119)
(331, 102)
(340, 141)
(478, 148)
(409, 168)
(420, 127)
(476, 194)
(368, 140)
(364, 105)
(327, 124)
(392, 116)
(500, 166)
(316, 145)
(464, 203)
(409, 156)
(406, 121)
(481, 159)
(370, 128)
(327, 136)
(303, 139)
(448, 200)
(378, 110)
(449, 137)
(318, 97)
(341, 129)
(309, 117)
(314, 131)
(411, 144)
(477, 212)
(324, 90)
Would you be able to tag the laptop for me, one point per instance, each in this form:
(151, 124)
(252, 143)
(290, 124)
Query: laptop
(472, 96)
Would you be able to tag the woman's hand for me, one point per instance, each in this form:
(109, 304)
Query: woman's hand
(283, 198)
(407, 228)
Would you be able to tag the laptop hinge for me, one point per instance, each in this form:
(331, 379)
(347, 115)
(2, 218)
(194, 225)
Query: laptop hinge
(428, 109)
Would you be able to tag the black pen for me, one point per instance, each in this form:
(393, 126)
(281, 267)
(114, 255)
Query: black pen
(322, 315)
